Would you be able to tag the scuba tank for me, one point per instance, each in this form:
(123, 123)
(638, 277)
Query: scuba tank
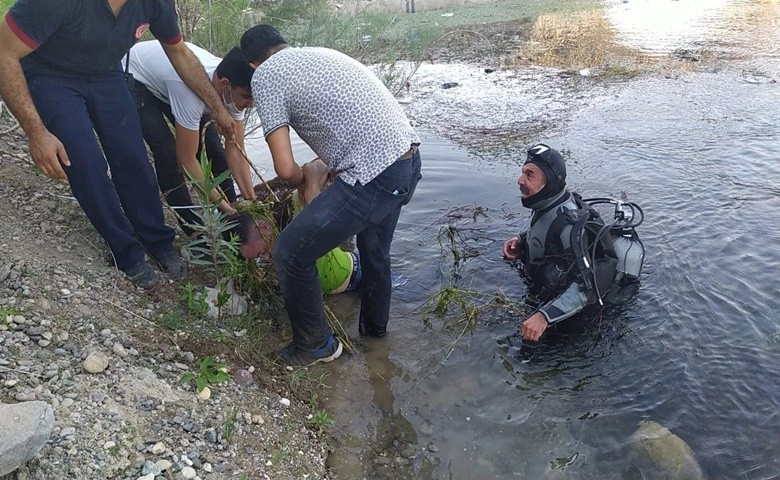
(628, 247)
(602, 254)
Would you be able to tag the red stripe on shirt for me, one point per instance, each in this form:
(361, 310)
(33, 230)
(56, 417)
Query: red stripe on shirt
(173, 41)
(21, 34)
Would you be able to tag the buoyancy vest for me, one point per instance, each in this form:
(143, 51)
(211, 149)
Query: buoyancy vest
(570, 242)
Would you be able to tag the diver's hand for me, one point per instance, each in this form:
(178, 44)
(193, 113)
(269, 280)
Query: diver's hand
(512, 248)
(534, 326)
(49, 154)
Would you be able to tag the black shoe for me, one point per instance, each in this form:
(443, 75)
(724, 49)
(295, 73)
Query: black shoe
(143, 275)
(371, 330)
(171, 264)
(295, 356)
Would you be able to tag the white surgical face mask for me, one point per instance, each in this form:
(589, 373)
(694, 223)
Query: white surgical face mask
(230, 105)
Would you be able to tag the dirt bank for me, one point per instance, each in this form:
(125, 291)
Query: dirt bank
(60, 301)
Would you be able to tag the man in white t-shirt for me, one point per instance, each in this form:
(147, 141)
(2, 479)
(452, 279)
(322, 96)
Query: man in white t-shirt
(161, 94)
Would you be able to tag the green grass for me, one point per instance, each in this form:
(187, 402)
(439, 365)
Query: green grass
(503, 11)
(382, 37)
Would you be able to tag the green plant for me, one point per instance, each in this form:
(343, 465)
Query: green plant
(216, 25)
(319, 420)
(194, 300)
(209, 373)
(229, 426)
(8, 312)
(213, 245)
(279, 455)
(171, 320)
(114, 450)
(304, 377)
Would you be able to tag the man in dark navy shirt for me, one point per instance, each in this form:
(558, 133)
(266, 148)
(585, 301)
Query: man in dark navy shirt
(61, 77)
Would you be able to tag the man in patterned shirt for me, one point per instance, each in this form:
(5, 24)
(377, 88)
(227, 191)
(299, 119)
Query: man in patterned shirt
(355, 125)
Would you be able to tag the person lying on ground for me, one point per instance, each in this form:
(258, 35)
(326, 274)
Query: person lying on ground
(338, 270)
(160, 94)
(344, 113)
(61, 77)
(569, 258)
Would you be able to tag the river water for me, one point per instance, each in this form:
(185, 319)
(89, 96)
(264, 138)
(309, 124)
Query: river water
(695, 348)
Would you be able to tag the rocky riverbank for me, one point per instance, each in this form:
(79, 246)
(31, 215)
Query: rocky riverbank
(75, 334)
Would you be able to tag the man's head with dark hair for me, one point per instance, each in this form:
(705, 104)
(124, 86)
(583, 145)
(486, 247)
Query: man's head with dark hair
(235, 68)
(256, 236)
(232, 80)
(260, 42)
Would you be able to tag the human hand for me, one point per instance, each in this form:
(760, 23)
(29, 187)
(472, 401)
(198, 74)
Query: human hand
(512, 248)
(315, 176)
(226, 124)
(49, 155)
(534, 326)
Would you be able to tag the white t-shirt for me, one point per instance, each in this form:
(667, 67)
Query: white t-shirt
(150, 65)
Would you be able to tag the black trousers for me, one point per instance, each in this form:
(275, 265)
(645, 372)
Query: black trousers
(124, 208)
(160, 138)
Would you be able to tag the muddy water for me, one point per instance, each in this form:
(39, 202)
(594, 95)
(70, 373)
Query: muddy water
(695, 348)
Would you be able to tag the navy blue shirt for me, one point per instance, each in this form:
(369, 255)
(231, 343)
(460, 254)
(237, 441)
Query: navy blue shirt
(83, 38)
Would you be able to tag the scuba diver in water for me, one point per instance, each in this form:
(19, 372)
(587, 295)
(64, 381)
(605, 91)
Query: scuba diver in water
(570, 255)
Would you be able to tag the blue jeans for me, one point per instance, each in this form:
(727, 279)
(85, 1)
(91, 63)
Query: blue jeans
(126, 207)
(369, 211)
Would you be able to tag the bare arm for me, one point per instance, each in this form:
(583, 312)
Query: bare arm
(238, 164)
(186, 150)
(189, 69)
(282, 155)
(45, 149)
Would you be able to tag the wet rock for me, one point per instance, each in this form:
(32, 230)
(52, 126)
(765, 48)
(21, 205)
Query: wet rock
(448, 85)
(665, 452)
(426, 428)
(24, 430)
(96, 362)
(243, 378)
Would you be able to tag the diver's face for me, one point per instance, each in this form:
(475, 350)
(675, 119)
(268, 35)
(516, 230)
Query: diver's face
(531, 180)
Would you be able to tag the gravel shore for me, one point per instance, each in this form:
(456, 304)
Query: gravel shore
(75, 334)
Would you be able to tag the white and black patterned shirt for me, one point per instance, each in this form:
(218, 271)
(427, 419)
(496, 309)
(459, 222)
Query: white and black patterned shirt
(337, 106)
